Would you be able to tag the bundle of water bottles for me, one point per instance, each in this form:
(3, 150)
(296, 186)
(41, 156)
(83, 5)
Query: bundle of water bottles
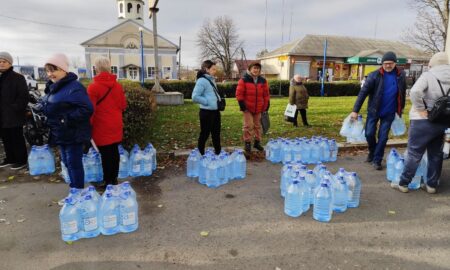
(353, 130)
(216, 170)
(92, 166)
(138, 162)
(41, 160)
(86, 214)
(395, 164)
(304, 150)
(302, 188)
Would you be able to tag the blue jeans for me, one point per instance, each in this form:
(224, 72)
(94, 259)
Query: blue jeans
(377, 148)
(72, 157)
(424, 135)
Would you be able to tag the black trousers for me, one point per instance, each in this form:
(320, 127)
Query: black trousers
(110, 162)
(209, 124)
(14, 144)
(303, 114)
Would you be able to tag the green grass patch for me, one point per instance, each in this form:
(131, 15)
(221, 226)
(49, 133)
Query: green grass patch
(178, 127)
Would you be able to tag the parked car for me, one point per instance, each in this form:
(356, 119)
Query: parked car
(32, 83)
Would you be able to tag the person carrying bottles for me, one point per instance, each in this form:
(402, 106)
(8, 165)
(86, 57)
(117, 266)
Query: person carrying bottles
(109, 102)
(252, 94)
(425, 135)
(207, 95)
(298, 95)
(386, 88)
(68, 110)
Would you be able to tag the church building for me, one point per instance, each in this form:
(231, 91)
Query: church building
(121, 44)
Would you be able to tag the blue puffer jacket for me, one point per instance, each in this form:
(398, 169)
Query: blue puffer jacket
(68, 110)
(373, 87)
(204, 94)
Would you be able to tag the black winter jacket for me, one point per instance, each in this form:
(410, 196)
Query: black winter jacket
(13, 99)
(373, 87)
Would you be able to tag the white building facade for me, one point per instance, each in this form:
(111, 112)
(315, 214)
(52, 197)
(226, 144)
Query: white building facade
(121, 44)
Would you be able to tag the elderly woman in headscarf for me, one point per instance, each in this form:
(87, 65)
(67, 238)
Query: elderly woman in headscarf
(298, 95)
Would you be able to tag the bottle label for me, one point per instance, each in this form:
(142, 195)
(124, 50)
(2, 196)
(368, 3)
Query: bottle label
(129, 218)
(109, 221)
(148, 167)
(298, 157)
(70, 227)
(90, 224)
(136, 168)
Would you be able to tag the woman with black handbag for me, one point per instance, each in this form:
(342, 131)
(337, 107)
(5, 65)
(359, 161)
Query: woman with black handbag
(211, 103)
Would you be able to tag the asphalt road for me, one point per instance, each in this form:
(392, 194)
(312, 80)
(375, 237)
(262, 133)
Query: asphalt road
(245, 221)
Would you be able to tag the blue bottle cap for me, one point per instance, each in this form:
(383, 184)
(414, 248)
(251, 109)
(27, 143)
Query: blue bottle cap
(310, 172)
(91, 188)
(302, 178)
(88, 197)
(108, 195)
(68, 200)
(353, 173)
(295, 182)
(109, 187)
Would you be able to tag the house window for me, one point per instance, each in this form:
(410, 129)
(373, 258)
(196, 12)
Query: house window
(114, 69)
(121, 7)
(302, 68)
(138, 8)
(150, 72)
(166, 72)
(130, 7)
(94, 71)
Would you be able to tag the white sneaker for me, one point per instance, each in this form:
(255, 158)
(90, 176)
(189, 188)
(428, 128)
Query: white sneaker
(430, 190)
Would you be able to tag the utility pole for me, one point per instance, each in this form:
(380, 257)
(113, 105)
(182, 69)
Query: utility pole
(153, 10)
(447, 41)
(179, 59)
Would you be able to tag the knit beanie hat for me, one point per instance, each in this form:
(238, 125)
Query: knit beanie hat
(389, 56)
(439, 59)
(60, 60)
(6, 56)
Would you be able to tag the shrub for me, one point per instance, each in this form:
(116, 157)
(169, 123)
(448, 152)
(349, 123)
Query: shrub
(330, 89)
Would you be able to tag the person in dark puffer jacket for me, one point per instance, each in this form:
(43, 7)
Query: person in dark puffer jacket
(68, 110)
(252, 94)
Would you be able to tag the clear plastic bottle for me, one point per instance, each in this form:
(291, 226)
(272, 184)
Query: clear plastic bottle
(240, 166)
(193, 164)
(126, 186)
(33, 161)
(354, 189)
(315, 152)
(285, 174)
(340, 198)
(292, 202)
(128, 213)
(109, 215)
(322, 210)
(287, 153)
(305, 192)
(212, 176)
(390, 165)
(89, 217)
(124, 163)
(202, 170)
(297, 152)
(311, 180)
(399, 165)
(69, 220)
(147, 162)
(333, 150)
(135, 162)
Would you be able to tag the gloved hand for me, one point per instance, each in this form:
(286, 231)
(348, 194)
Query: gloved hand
(242, 106)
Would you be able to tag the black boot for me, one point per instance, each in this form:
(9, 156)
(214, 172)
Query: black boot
(258, 146)
(248, 147)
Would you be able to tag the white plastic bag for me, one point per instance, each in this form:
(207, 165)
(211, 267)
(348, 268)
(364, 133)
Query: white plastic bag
(398, 126)
(290, 110)
(346, 129)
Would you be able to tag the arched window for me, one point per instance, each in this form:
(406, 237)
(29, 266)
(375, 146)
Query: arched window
(121, 7)
(138, 9)
(130, 7)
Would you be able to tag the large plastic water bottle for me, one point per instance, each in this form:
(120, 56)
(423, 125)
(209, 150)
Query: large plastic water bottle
(240, 165)
(287, 153)
(153, 151)
(306, 152)
(270, 153)
(324, 150)
(193, 164)
(212, 176)
(136, 162)
(390, 165)
(128, 213)
(277, 148)
(297, 152)
(354, 189)
(98, 166)
(126, 186)
(322, 210)
(293, 200)
(33, 161)
(399, 165)
(315, 152)
(340, 198)
(69, 220)
(311, 180)
(222, 171)
(109, 215)
(89, 168)
(357, 128)
(202, 170)
(417, 179)
(285, 174)
(147, 162)
(90, 190)
(305, 192)
(340, 173)
(124, 163)
(333, 150)
(89, 217)
(49, 160)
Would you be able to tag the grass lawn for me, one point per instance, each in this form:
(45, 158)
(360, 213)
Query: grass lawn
(177, 127)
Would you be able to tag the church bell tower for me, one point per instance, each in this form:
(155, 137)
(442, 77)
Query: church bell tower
(131, 9)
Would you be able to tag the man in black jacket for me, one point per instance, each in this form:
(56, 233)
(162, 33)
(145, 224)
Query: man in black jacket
(386, 88)
(13, 101)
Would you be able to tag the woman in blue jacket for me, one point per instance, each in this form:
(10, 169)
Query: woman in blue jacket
(205, 95)
(68, 110)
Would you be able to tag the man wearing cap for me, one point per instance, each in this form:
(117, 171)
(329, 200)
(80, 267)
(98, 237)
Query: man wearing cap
(252, 94)
(13, 101)
(386, 88)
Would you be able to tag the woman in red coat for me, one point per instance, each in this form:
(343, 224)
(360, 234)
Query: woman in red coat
(252, 93)
(109, 102)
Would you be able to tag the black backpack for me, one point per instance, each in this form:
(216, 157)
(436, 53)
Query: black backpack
(440, 112)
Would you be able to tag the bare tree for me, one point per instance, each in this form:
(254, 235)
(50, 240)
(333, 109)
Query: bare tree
(219, 41)
(430, 29)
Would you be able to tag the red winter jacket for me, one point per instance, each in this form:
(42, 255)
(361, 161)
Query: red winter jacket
(253, 97)
(107, 123)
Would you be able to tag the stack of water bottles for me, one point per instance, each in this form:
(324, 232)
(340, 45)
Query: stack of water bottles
(353, 130)
(216, 170)
(138, 162)
(304, 150)
(92, 166)
(396, 163)
(86, 214)
(41, 160)
(326, 192)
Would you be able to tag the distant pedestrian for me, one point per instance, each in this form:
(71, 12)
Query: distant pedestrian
(206, 94)
(386, 88)
(68, 109)
(425, 135)
(252, 94)
(298, 95)
(109, 102)
(13, 101)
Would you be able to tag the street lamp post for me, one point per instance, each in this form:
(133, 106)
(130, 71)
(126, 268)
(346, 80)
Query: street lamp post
(153, 10)
(141, 31)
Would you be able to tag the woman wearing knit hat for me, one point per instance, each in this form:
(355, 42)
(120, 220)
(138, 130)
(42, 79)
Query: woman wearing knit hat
(68, 109)
(425, 135)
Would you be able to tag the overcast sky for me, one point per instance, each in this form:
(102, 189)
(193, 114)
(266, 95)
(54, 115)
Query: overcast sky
(33, 42)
